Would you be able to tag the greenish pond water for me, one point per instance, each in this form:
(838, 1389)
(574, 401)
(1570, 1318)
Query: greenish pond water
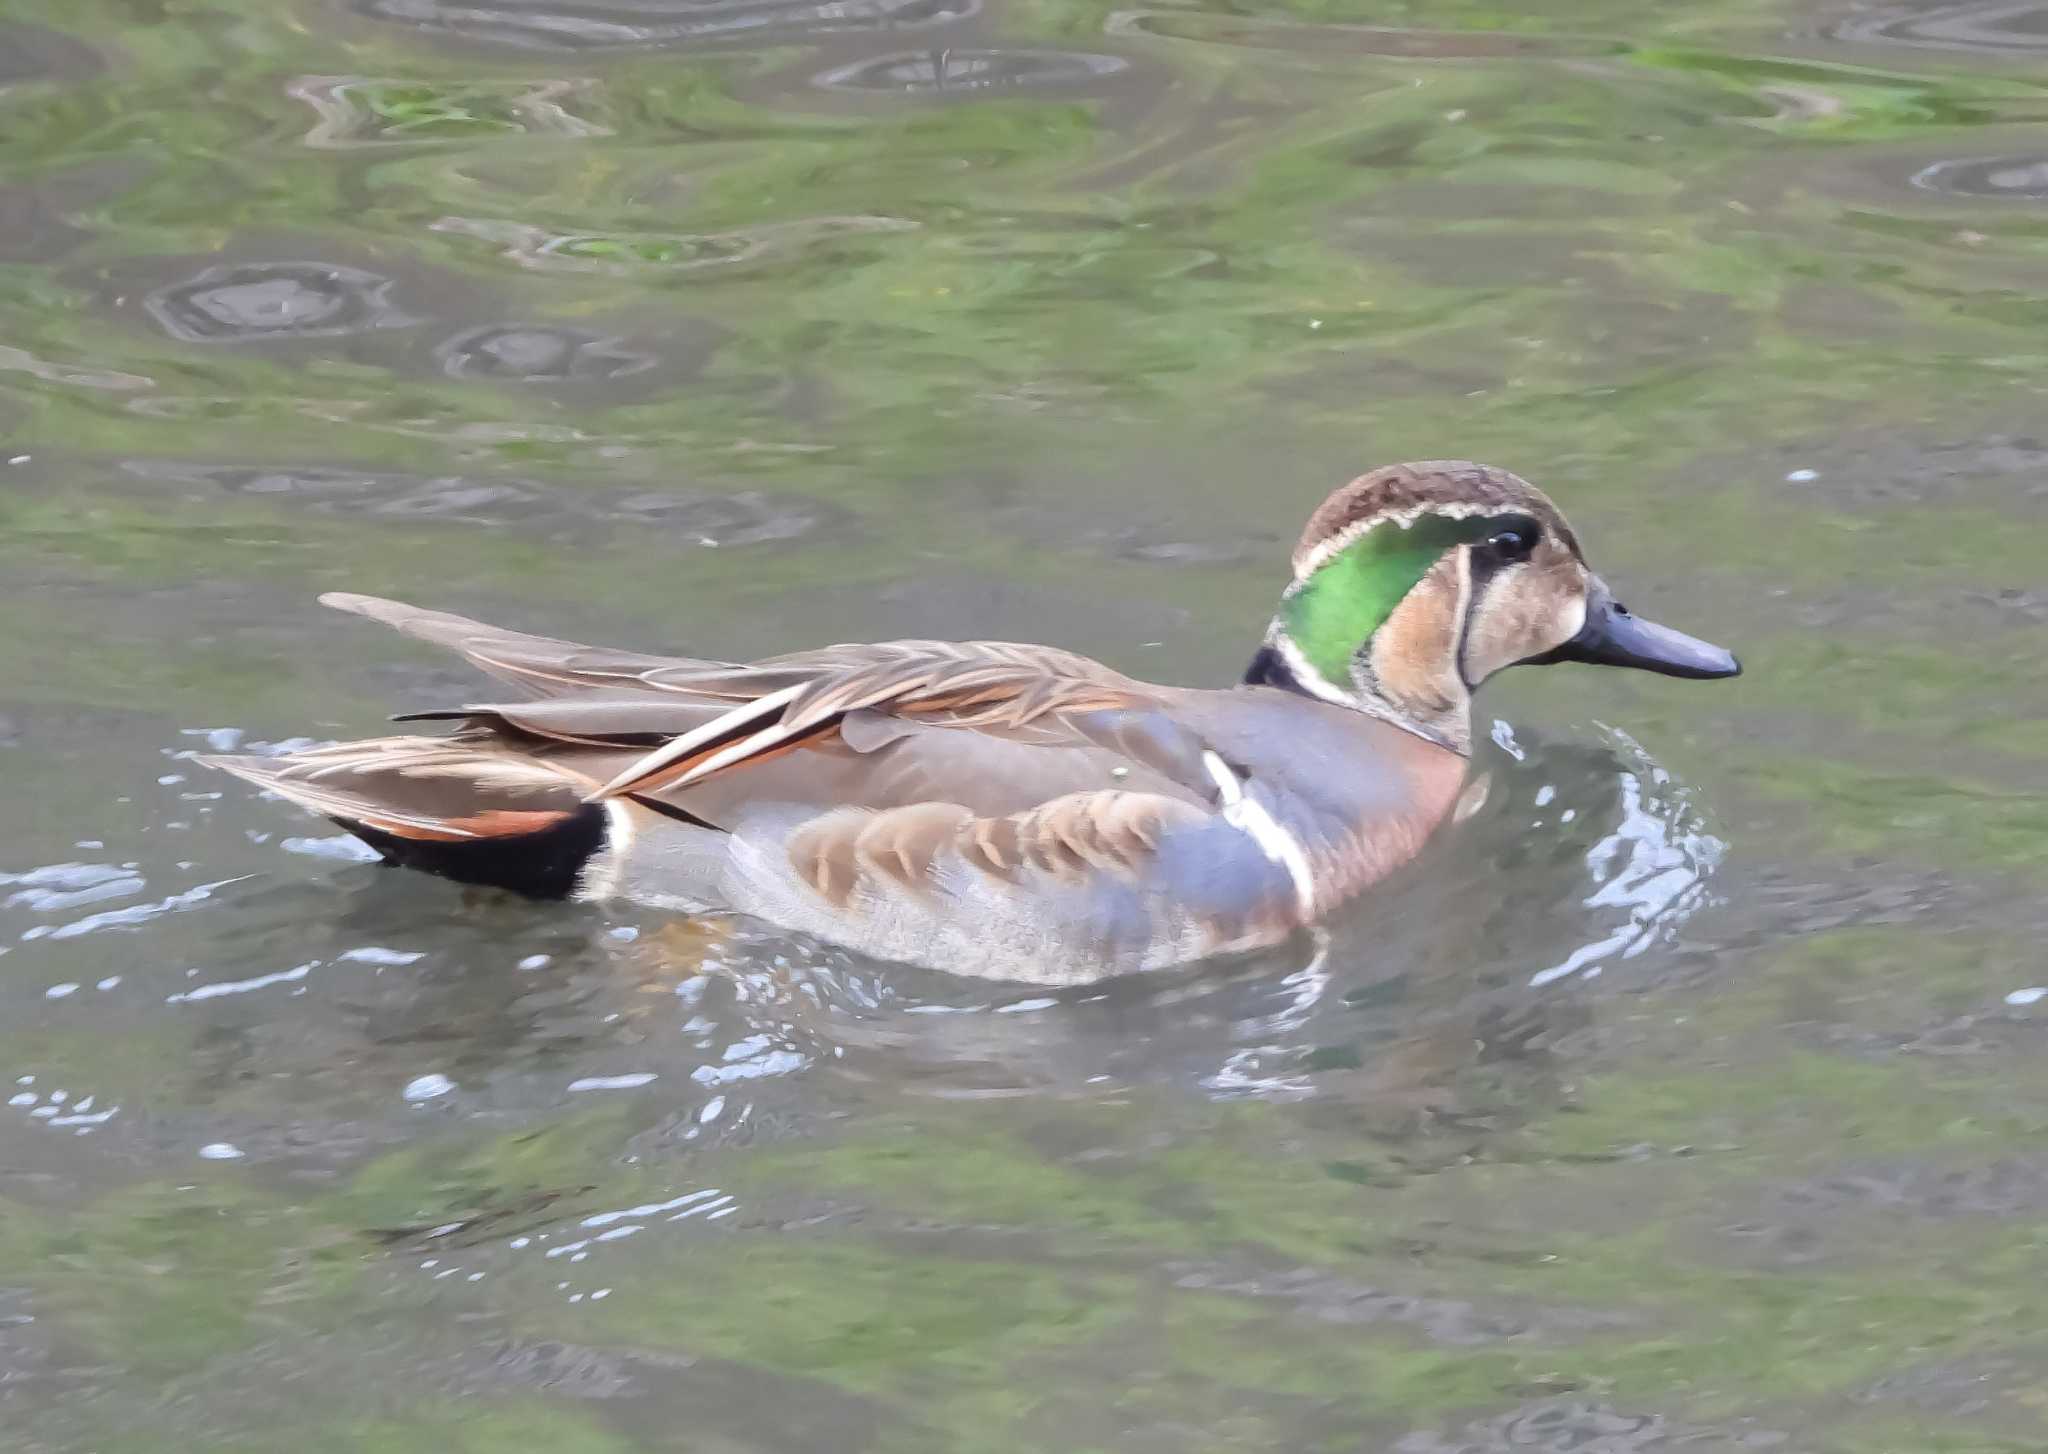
(1688, 1097)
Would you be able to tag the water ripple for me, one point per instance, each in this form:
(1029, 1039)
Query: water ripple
(242, 301)
(361, 111)
(1651, 868)
(597, 25)
(132, 916)
(2017, 178)
(747, 517)
(61, 886)
(2002, 25)
(219, 988)
(1581, 1424)
(626, 253)
(58, 1110)
(954, 72)
(16, 360)
(1259, 33)
(532, 353)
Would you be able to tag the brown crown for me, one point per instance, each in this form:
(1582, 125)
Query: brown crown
(1396, 488)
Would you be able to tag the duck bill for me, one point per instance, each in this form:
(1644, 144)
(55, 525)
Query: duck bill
(1614, 637)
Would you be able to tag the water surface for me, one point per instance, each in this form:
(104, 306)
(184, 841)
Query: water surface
(1689, 1095)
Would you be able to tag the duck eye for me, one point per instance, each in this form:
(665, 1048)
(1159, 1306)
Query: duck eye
(1515, 541)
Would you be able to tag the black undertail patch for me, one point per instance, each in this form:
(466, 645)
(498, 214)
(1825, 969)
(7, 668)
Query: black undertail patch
(542, 864)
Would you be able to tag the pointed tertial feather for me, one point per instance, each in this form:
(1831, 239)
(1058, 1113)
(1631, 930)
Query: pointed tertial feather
(292, 781)
(413, 786)
(620, 718)
(639, 772)
(993, 687)
(541, 664)
(761, 744)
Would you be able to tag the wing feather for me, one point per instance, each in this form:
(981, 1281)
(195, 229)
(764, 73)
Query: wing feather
(690, 720)
(991, 687)
(540, 664)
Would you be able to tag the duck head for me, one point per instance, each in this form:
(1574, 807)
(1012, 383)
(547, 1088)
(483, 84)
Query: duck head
(1417, 582)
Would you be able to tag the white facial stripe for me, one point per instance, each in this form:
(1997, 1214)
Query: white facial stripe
(1318, 555)
(1579, 625)
(1312, 682)
(1249, 817)
(1468, 599)
(1463, 618)
(1307, 675)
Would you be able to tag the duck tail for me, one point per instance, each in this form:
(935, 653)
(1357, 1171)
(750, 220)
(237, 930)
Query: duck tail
(462, 810)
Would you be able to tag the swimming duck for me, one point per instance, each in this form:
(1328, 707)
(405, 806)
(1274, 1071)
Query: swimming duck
(1003, 810)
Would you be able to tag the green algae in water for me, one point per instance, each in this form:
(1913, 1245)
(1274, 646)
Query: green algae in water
(1066, 366)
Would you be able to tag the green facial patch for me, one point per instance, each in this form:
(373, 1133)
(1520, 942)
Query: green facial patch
(1337, 610)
